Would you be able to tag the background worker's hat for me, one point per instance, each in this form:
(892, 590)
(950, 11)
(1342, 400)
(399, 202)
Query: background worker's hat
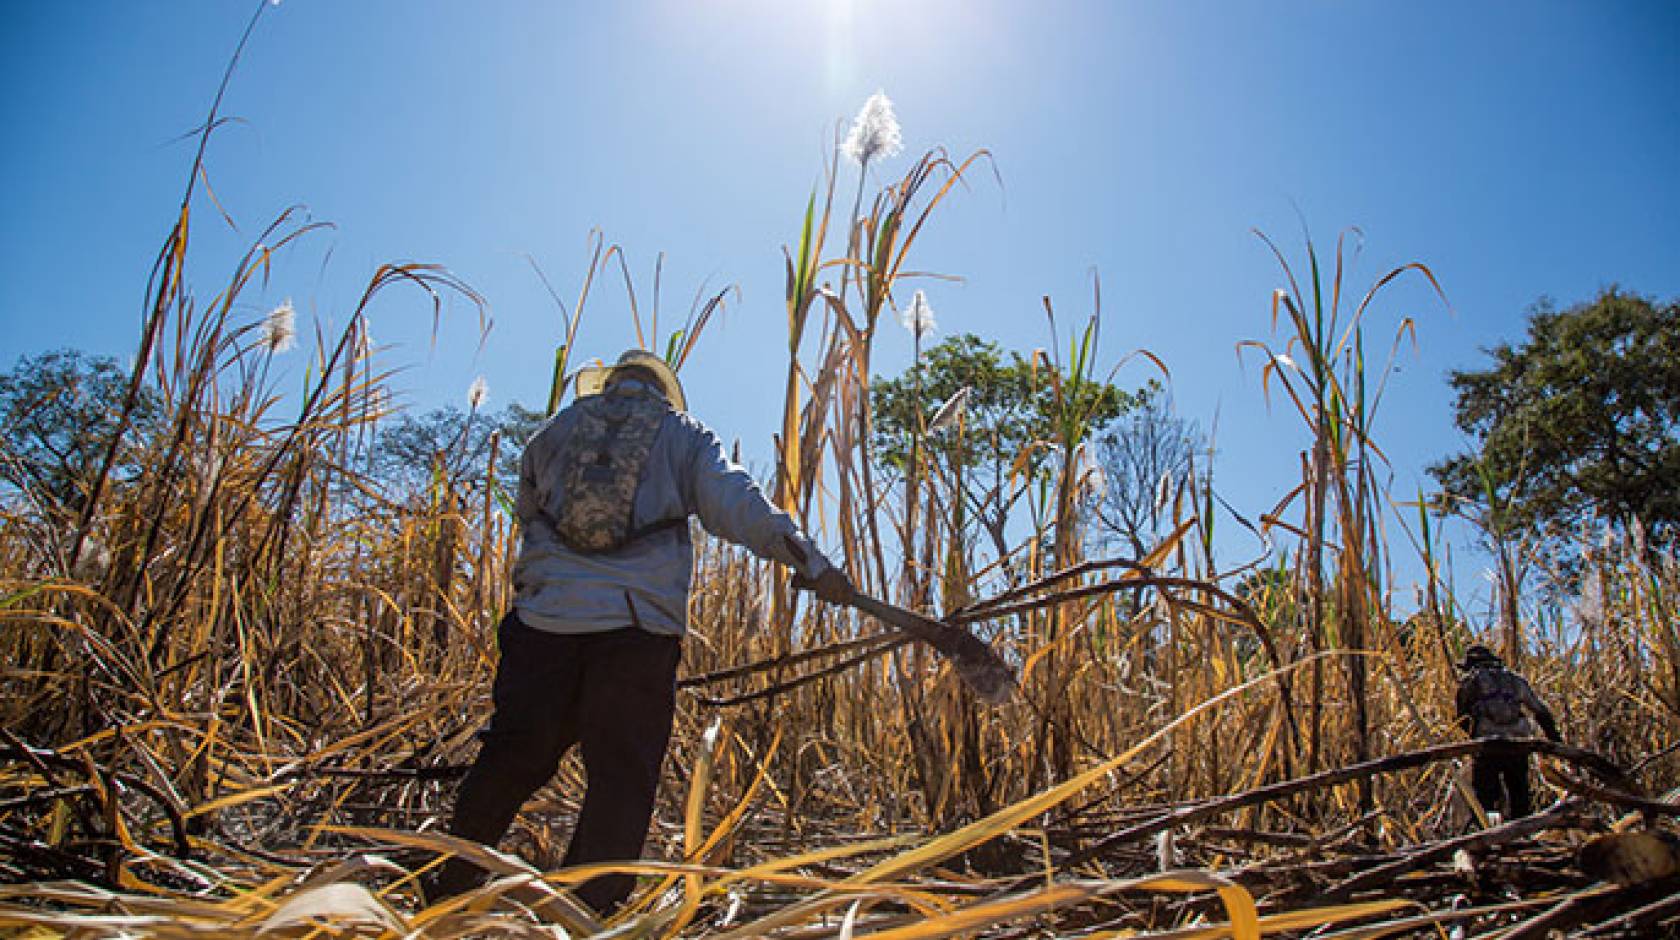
(1479, 655)
(592, 380)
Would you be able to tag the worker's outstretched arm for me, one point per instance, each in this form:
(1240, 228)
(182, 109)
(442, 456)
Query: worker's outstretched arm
(1542, 714)
(731, 506)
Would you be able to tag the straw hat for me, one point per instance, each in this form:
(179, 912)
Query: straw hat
(592, 380)
(1479, 655)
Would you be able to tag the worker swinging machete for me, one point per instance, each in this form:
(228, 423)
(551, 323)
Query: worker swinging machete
(981, 669)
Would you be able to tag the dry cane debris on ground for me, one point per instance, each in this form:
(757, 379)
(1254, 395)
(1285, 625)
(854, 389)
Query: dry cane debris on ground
(92, 851)
(240, 674)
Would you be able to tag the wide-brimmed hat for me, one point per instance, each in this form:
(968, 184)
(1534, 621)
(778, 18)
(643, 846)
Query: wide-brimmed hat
(1479, 655)
(592, 380)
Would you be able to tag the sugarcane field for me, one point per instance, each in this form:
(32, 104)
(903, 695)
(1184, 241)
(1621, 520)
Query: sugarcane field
(840, 469)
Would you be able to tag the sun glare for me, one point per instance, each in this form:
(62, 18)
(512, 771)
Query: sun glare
(840, 63)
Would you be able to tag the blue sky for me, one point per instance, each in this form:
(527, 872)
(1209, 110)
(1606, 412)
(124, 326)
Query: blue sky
(1519, 150)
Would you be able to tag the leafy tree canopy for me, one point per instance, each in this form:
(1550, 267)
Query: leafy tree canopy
(1575, 425)
(1013, 413)
(59, 410)
(1010, 405)
(416, 446)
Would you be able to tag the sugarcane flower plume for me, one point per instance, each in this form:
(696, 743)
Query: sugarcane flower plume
(918, 317)
(874, 131)
(478, 393)
(279, 328)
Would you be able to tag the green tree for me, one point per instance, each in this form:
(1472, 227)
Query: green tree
(1576, 426)
(412, 450)
(1009, 410)
(59, 410)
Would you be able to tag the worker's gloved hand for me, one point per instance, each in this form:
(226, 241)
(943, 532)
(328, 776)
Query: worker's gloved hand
(832, 585)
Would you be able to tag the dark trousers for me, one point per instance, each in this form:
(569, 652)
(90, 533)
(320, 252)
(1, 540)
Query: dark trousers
(611, 693)
(1500, 779)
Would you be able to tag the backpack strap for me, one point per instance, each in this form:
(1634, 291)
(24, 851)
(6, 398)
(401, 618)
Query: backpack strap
(654, 528)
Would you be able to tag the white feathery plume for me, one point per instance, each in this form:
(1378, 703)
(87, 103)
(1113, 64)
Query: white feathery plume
(950, 412)
(478, 393)
(874, 131)
(279, 328)
(918, 317)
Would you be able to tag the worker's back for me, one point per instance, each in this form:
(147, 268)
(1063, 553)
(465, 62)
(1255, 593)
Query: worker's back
(1496, 698)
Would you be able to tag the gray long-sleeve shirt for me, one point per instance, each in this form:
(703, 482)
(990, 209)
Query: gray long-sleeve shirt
(646, 583)
(1484, 684)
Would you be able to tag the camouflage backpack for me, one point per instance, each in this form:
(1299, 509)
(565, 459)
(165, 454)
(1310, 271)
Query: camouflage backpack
(1498, 707)
(600, 465)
